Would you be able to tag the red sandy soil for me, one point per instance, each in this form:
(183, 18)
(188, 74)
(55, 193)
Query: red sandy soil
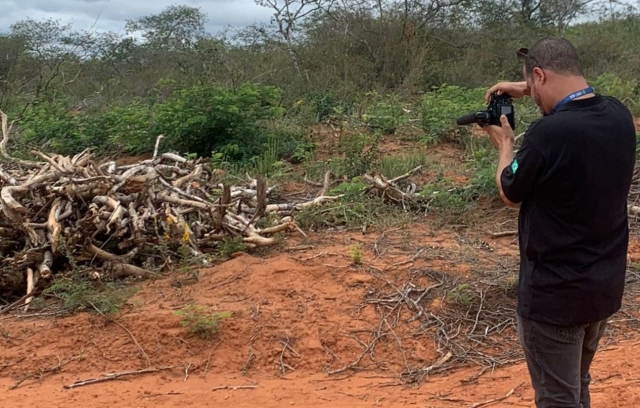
(310, 298)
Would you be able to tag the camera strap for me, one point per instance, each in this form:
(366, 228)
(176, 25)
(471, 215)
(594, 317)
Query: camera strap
(571, 97)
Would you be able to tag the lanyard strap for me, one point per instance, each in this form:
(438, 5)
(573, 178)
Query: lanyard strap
(571, 97)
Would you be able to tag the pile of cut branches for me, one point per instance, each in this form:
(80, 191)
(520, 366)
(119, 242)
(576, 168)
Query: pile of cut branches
(60, 212)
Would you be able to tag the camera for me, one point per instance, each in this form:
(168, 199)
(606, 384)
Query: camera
(498, 105)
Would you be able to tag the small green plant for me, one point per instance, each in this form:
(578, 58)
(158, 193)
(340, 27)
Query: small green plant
(358, 154)
(462, 295)
(352, 188)
(79, 294)
(356, 253)
(201, 321)
(229, 246)
(444, 196)
(394, 166)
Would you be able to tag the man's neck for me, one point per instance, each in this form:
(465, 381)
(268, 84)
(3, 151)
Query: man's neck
(566, 86)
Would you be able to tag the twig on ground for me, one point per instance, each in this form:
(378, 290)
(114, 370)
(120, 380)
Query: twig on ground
(353, 365)
(235, 387)
(144, 354)
(503, 234)
(493, 401)
(114, 376)
(284, 366)
(146, 357)
(46, 371)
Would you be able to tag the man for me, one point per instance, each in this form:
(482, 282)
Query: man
(571, 178)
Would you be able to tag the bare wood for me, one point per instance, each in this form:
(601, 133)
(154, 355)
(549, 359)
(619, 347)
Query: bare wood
(53, 225)
(274, 208)
(5, 135)
(439, 363)
(261, 194)
(326, 184)
(195, 174)
(7, 193)
(122, 270)
(41, 373)
(102, 254)
(504, 234)
(406, 175)
(114, 376)
(173, 157)
(313, 183)
(7, 178)
(182, 193)
(495, 400)
(83, 202)
(225, 200)
(235, 387)
(44, 269)
(166, 197)
(50, 161)
(32, 280)
(157, 146)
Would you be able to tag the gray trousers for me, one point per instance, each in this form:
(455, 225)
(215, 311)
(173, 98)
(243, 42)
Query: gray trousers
(558, 358)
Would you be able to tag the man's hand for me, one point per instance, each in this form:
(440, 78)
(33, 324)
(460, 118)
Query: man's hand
(515, 89)
(501, 137)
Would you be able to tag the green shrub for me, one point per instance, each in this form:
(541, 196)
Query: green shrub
(397, 165)
(199, 120)
(625, 90)
(384, 113)
(203, 119)
(357, 154)
(200, 321)
(128, 127)
(443, 196)
(441, 108)
(51, 127)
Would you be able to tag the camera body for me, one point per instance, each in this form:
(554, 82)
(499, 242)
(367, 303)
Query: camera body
(498, 105)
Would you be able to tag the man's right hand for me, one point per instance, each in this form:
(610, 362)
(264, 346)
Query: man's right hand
(515, 89)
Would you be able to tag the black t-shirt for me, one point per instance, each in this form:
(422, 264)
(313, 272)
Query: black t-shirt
(572, 176)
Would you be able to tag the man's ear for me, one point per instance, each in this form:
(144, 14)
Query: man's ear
(539, 75)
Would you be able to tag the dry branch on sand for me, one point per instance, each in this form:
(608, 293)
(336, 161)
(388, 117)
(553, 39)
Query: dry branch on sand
(107, 217)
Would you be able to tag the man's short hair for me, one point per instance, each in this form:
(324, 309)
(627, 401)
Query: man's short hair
(554, 54)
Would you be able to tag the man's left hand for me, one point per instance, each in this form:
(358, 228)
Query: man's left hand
(501, 137)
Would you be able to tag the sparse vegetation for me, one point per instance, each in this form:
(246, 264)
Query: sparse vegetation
(78, 294)
(200, 321)
(356, 253)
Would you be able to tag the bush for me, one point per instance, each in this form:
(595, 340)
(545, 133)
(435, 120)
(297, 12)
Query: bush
(51, 126)
(199, 120)
(384, 114)
(203, 119)
(441, 108)
(625, 90)
(358, 154)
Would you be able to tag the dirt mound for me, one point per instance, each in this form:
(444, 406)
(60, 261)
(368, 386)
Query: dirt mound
(301, 310)
(308, 328)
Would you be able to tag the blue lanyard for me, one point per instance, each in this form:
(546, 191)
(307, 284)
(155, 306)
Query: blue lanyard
(571, 97)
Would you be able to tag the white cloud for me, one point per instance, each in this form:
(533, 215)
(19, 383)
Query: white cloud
(111, 15)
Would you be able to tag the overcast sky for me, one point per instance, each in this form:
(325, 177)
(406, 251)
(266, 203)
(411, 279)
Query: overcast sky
(111, 14)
